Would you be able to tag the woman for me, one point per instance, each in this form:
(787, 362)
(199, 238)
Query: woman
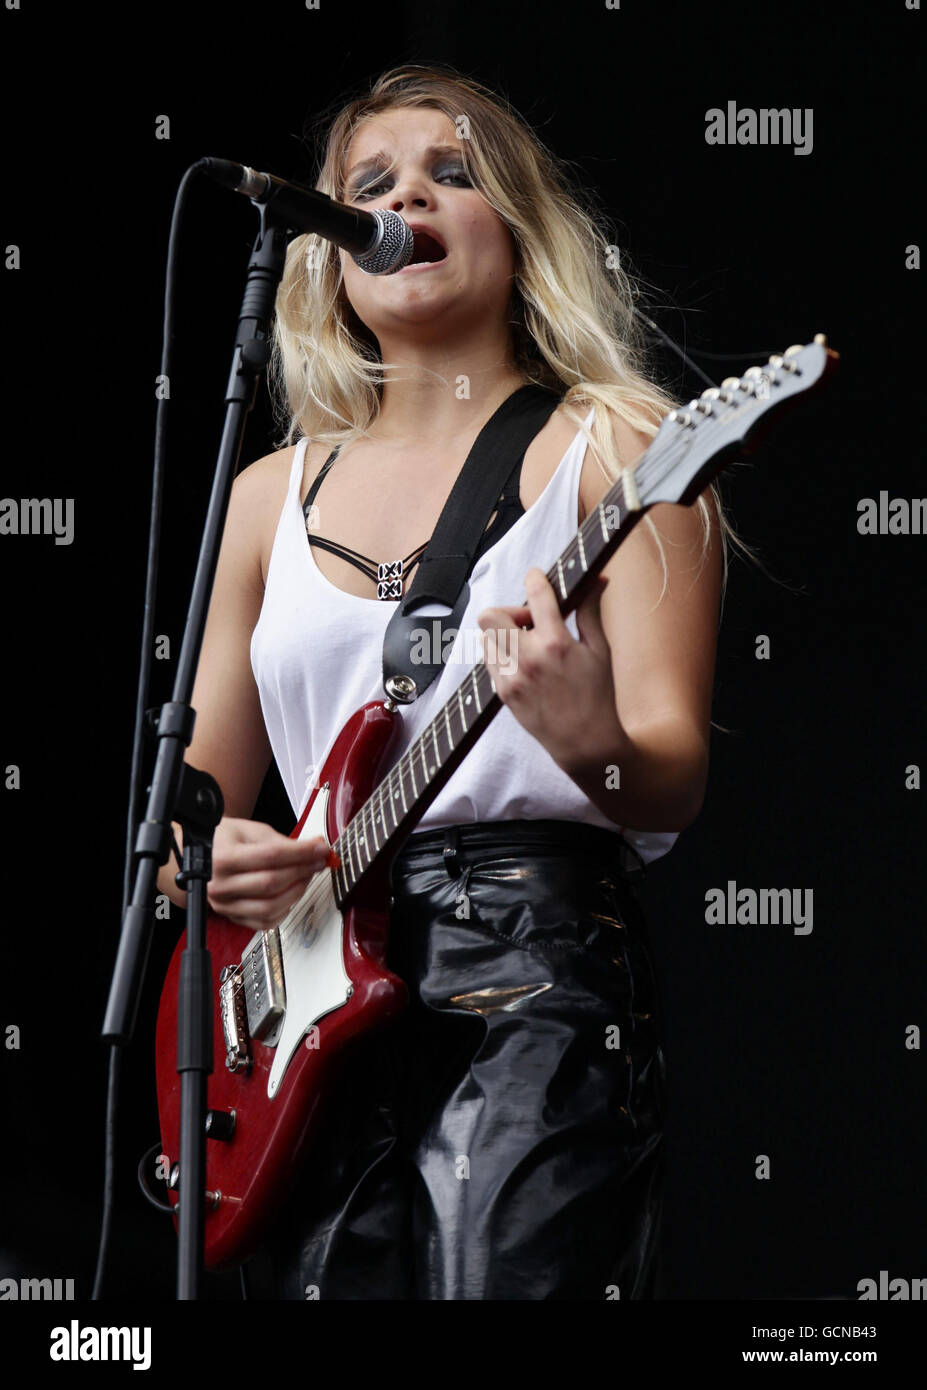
(503, 1139)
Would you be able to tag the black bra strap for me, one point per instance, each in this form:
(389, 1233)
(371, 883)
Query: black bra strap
(509, 502)
(362, 562)
(317, 482)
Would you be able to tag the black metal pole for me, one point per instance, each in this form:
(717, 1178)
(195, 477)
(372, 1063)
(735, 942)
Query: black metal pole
(193, 799)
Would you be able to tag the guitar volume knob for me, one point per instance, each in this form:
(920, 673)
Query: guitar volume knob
(220, 1125)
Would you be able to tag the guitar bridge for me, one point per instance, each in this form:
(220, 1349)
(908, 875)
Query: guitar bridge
(234, 1019)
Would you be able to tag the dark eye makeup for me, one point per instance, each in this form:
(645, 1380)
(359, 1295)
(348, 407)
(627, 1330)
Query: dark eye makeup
(370, 190)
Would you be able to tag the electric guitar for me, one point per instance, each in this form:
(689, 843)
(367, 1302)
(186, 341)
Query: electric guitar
(289, 1001)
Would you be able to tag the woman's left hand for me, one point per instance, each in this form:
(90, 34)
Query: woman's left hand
(561, 690)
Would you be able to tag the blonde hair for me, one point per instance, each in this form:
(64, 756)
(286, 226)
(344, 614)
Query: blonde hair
(573, 322)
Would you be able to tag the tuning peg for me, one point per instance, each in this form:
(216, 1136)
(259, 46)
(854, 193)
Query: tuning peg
(712, 393)
(731, 382)
(821, 339)
(794, 350)
(680, 417)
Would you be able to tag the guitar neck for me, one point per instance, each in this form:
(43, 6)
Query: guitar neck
(690, 448)
(398, 803)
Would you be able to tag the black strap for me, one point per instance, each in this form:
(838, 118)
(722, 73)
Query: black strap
(374, 569)
(310, 495)
(451, 553)
(509, 510)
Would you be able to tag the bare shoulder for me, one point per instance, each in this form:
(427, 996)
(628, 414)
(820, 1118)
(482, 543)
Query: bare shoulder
(683, 527)
(545, 453)
(547, 450)
(594, 483)
(258, 495)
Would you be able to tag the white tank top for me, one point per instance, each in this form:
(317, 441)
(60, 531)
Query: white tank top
(316, 654)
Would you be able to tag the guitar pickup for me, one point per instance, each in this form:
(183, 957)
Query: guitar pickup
(262, 984)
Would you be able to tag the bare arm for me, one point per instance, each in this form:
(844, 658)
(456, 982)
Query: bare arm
(625, 710)
(257, 872)
(662, 659)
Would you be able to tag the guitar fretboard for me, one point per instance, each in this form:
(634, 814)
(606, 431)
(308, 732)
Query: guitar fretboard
(417, 777)
(687, 451)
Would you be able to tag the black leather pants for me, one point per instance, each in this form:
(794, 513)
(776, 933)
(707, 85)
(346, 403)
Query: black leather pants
(503, 1138)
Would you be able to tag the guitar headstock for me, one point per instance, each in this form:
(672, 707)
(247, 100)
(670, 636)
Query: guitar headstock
(693, 441)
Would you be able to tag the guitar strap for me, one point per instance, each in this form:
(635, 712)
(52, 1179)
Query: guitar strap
(444, 569)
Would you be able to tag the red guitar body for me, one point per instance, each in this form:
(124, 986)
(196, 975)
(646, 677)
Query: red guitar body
(296, 997)
(249, 1173)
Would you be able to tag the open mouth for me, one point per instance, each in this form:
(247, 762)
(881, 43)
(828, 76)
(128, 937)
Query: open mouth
(427, 248)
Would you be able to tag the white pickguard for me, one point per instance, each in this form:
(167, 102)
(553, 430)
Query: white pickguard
(313, 958)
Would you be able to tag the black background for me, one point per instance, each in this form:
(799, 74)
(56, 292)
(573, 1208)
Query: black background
(776, 1044)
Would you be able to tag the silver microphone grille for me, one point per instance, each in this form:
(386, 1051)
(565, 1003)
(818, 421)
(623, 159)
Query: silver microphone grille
(392, 249)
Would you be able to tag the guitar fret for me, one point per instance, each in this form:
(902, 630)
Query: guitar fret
(348, 838)
(360, 837)
(345, 856)
(369, 831)
(380, 819)
(389, 799)
(631, 498)
(667, 472)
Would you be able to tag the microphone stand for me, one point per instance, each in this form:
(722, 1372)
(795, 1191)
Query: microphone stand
(181, 793)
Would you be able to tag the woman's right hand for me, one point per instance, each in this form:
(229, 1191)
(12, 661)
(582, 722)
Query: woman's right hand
(257, 873)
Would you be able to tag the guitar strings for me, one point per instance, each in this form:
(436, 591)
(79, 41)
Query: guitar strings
(647, 472)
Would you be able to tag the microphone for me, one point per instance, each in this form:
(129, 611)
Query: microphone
(379, 242)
